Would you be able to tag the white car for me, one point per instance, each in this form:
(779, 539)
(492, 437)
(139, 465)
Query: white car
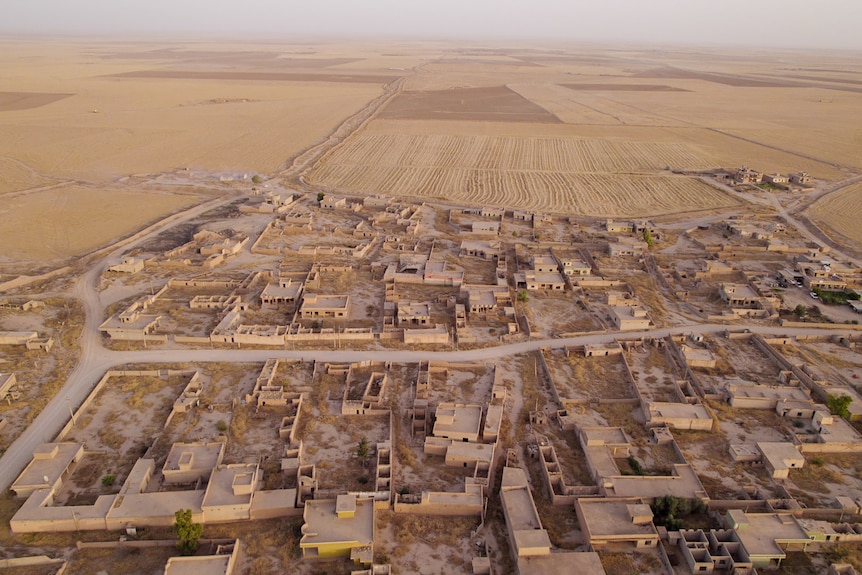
(814, 295)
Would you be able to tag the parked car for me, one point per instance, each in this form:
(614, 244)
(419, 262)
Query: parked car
(814, 295)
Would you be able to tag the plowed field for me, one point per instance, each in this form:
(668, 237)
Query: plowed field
(841, 211)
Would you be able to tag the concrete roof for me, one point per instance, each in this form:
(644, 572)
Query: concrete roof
(611, 518)
(738, 291)
(204, 456)
(210, 565)
(322, 525)
(457, 418)
(133, 508)
(586, 563)
(520, 508)
(477, 451)
(759, 532)
(779, 452)
(325, 301)
(684, 483)
(49, 460)
(221, 487)
(677, 410)
(769, 391)
(290, 290)
(606, 435)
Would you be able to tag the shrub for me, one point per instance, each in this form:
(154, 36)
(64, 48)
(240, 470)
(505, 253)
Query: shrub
(109, 480)
(221, 425)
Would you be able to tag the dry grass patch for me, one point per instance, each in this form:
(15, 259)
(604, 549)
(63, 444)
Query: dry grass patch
(65, 216)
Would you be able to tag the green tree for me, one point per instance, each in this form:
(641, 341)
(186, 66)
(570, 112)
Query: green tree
(800, 310)
(256, 179)
(188, 532)
(320, 196)
(648, 237)
(839, 405)
(523, 296)
(363, 451)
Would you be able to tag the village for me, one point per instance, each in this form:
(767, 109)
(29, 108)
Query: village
(570, 394)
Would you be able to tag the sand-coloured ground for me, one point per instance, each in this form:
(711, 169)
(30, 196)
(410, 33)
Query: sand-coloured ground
(15, 176)
(131, 109)
(55, 224)
(27, 100)
(560, 173)
(842, 212)
(497, 103)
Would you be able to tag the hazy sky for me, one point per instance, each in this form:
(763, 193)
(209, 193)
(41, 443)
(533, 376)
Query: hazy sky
(802, 23)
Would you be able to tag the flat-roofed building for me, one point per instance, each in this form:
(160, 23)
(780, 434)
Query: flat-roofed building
(189, 462)
(616, 521)
(780, 457)
(628, 318)
(738, 295)
(457, 421)
(413, 313)
(766, 537)
(324, 306)
(285, 291)
(222, 563)
(342, 527)
(51, 465)
(229, 492)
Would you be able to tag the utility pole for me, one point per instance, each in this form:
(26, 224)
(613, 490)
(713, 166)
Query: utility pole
(71, 412)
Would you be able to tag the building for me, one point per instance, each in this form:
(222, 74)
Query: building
(529, 541)
(775, 178)
(767, 536)
(738, 295)
(628, 318)
(190, 462)
(457, 421)
(222, 563)
(410, 313)
(800, 178)
(285, 291)
(52, 463)
(341, 527)
(616, 521)
(324, 306)
(780, 457)
(746, 175)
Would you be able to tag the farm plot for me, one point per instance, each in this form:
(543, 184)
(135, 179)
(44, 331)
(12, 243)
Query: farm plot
(841, 212)
(497, 103)
(564, 175)
(51, 225)
(503, 152)
(598, 195)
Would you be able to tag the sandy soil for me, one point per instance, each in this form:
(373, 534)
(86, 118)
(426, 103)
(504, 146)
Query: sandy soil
(497, 103)
(52, 225)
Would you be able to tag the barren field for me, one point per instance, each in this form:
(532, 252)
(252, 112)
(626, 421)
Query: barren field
(27, 100)
(125, 114)
(497, 103)
(55, 224)
(842, 212)
(15, 176)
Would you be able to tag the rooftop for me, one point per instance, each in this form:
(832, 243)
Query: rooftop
(323, 525)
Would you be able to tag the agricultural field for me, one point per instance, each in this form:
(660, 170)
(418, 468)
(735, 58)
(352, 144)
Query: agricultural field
(100, 111)
(562, 175)
(841, 212)
(52, 225)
